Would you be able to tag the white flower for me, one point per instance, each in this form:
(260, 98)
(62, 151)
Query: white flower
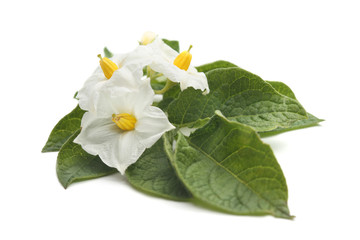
(162, 61)
(147, 38)
(124, 124)
(88, 93)
(112, 71)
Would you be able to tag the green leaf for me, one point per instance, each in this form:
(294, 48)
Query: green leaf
(63, 130)
(169, 96)
(172, 43)
(225, 164)
(282, 88)
(107, 53)
(240, 96)
(215, 65)
(153, 173)
(74, 164)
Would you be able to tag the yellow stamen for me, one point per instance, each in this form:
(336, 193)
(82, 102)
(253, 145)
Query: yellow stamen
(108, 66)
(124, 121)
(183, 60)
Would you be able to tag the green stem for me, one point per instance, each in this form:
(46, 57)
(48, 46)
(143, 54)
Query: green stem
(189, 48)
(167, 86)
(148, 70)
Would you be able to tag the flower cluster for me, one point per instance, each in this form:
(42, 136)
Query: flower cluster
(120, 121)
(214, 155)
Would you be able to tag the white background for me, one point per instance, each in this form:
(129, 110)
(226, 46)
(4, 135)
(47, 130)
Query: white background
(49, 48)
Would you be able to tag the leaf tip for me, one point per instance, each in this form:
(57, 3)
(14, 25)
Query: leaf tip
(65, 185)
(47, 149)
(288, 217)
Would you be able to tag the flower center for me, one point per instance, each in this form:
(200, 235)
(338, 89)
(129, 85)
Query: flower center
(124, 121)
(108, 66)
(183, 60)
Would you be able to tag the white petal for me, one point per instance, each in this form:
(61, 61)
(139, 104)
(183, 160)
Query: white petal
(122, 93)
(168, 69)
(85, 94)
(124, 151)
(96, 133)
(113, 99)
(138, 58)
(166, 52)
(143, 98)
(117, 99)
(118, 59)
(195, 80)
(125, 77)
(152, 125)
(87, 118)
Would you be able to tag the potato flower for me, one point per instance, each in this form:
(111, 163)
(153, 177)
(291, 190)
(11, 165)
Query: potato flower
(176, 67)
(124, 123)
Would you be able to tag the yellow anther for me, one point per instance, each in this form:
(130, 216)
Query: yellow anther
(124, 121)
(108, 66)
(183, 60)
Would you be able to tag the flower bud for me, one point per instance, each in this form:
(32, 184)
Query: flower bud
(183, 60)
(108, 66)
(147, 38)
